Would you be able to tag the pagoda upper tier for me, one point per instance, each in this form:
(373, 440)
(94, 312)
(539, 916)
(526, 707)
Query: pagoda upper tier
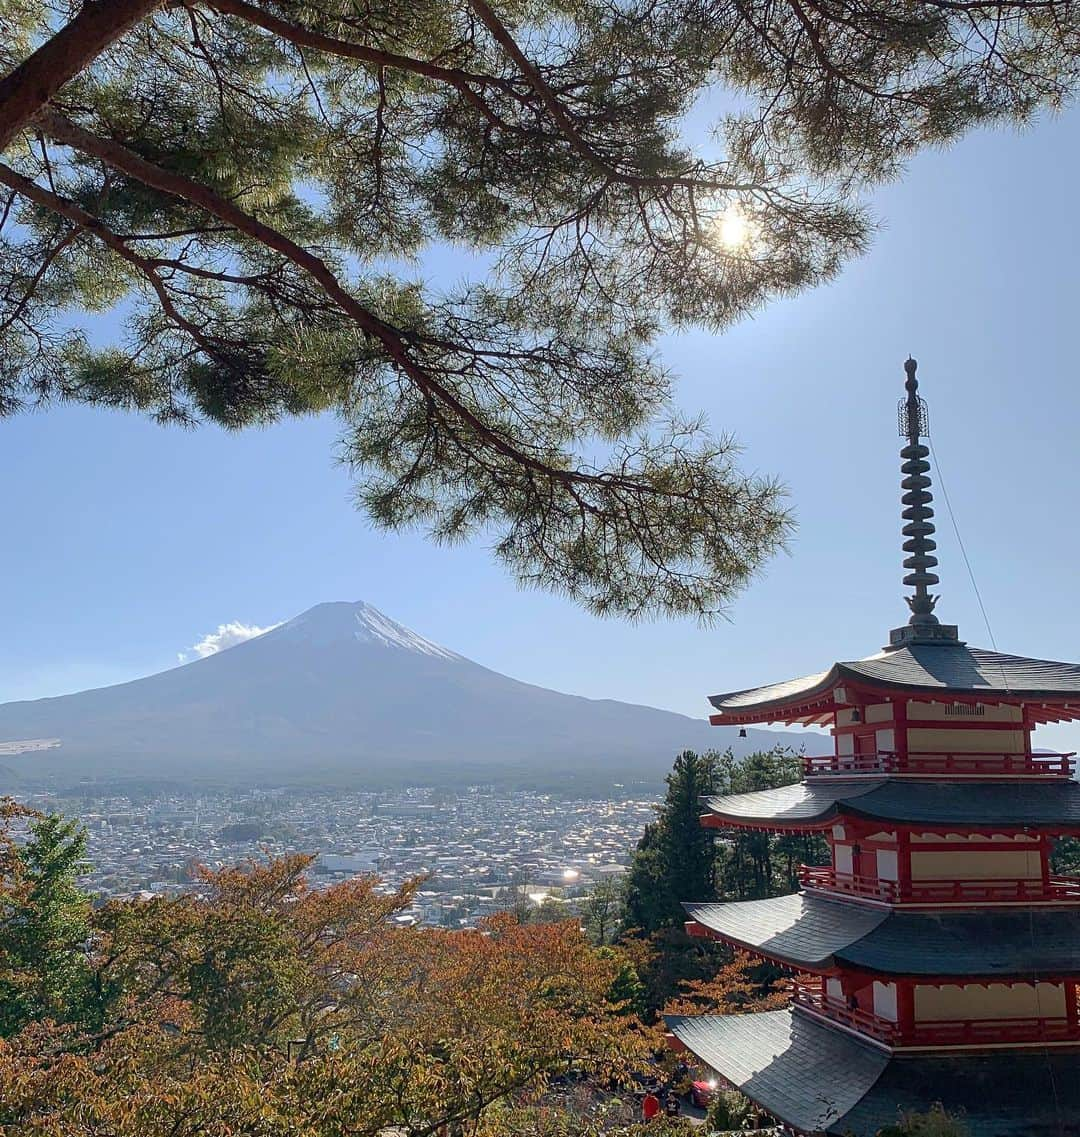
(948, 673)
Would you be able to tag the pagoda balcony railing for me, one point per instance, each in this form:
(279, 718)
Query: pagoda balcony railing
(810, 995)
(941, 764)
(987, 890)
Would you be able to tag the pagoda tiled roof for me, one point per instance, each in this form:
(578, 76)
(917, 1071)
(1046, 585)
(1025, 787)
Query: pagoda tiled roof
(935, 668)
(978, 805)
(817, 1078)
(808, 931)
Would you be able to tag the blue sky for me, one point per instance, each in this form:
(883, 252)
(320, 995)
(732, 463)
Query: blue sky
(126, 543)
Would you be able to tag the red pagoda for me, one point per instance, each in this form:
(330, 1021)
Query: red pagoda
(937, 957)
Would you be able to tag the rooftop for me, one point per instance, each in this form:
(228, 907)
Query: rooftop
(806, 931)
(994, 806)
(938, 670)
(820, 1079)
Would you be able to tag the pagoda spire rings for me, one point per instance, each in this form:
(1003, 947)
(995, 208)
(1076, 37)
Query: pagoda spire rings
(918, 530)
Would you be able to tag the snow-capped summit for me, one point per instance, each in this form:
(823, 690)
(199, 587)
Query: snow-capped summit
(340, 620)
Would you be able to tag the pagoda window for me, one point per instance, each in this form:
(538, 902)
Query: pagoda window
(888, 864)
(885, 1001)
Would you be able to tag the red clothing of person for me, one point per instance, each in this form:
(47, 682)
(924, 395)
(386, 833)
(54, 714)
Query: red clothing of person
(650, 1107)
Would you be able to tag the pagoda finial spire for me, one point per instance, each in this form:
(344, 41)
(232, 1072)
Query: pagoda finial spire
(919, 543)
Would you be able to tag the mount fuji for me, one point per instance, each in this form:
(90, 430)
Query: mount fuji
(343, 695)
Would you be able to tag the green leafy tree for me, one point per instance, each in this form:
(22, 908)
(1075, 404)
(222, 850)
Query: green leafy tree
(244, 183)
(649, 899)
(550, 910)
(44, 921)
(602, 910)
(728, 1111)
(678, 860)
(627, 992)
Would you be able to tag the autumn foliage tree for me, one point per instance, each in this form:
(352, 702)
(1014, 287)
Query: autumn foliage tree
(741, 986)
(246, 185)
(260, 1006)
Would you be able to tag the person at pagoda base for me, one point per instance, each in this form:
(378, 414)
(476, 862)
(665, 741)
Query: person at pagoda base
(937, 956)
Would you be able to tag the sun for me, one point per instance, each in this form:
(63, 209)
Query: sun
(734, 227)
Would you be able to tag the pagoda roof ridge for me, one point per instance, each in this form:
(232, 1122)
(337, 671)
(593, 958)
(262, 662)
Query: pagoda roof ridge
(1052, 806)
(803, 930)
(936, 669)
(820, 1079)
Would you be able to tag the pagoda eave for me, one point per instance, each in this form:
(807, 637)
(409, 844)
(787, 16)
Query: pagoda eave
(805, 932)
(947, 672)
(985, 807)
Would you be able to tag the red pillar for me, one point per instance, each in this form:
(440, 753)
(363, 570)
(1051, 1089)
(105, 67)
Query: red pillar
(1072, 1012)
(905, 1008)
(900, 729)
(903, 857)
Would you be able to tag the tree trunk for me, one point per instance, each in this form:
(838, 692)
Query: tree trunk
(27, 89)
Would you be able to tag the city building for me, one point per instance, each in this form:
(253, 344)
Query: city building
(937, 957)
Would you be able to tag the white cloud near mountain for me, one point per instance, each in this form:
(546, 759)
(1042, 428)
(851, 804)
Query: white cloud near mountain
(227, 635)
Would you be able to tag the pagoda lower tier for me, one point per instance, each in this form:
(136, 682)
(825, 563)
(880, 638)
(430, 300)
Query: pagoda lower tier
(819, 1079)
(936, 936)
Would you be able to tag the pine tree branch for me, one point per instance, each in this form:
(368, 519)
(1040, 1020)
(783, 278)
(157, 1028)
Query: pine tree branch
(89, 223)
(562, 118)
(317, 41)
(506, 41)
(392, 339)
(28, 89)
(466, 82)
(16, 310)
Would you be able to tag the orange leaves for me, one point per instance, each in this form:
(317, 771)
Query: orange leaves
(264, 1007)
(739, 987)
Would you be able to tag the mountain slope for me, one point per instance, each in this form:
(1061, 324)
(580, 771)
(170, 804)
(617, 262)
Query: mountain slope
(342, 693)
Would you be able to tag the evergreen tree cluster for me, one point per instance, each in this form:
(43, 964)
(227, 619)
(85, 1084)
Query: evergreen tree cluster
(678, 860)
